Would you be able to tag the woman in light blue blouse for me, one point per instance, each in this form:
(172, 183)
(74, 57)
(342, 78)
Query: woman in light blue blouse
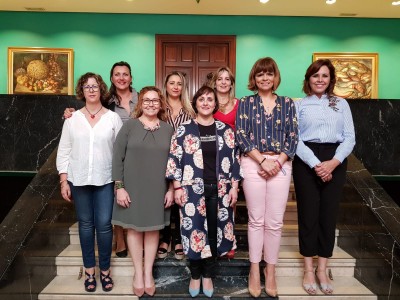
(266, 127)
(326, 138)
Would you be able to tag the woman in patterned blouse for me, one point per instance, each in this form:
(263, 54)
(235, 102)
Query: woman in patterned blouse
(326, 138)
(266, 128)
(205, 171)
(179, 110)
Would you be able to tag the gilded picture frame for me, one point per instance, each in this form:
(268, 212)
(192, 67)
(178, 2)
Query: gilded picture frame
(356, 73)
(36, 70)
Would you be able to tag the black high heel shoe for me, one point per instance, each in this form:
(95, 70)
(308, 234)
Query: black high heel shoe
(123, 253)
(90, 282)
(162, 252)
(106, 280)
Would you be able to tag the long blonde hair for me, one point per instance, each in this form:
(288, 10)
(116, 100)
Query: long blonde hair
(184, 97)
(215, 76)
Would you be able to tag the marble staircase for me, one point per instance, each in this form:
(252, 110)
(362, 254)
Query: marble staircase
(172, 276)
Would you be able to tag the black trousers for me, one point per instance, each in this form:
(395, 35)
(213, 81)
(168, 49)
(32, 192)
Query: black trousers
(167, 232)
(206, 267)
(318, 202)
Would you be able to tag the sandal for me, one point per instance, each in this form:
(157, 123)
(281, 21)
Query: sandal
(326, 288)
(162, 252)
(106, 280)
(179, 255)
(310, 288)
(90, 282)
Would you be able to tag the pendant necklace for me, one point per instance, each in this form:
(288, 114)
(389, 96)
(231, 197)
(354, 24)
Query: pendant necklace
(222, 106)
(93, 115)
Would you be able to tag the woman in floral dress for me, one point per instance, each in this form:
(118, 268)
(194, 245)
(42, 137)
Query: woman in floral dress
(205, 171)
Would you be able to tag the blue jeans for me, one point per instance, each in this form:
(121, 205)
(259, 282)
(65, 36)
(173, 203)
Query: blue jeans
(94, 206)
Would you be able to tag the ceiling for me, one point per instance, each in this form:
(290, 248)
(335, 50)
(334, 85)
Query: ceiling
(342, 8)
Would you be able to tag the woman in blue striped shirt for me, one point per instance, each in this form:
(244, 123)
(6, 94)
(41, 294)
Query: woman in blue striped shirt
(326, 138)
(266, 127)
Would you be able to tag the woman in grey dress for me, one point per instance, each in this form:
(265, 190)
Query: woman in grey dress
(142, 193)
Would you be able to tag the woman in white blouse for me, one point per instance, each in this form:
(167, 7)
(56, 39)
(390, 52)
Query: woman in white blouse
(84, 161)
(326, 138)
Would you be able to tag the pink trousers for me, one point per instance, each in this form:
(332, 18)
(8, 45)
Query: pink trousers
(266, 203)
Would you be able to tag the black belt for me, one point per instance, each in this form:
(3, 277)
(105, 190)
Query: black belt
(312, 144)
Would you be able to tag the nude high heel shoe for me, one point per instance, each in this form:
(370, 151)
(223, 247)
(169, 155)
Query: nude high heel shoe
(270, 292)
(255, 293)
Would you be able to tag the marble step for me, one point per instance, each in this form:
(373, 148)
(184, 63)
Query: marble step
(227, 287)
(290, 263)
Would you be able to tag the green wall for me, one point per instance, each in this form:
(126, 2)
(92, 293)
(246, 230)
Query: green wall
(99, 40)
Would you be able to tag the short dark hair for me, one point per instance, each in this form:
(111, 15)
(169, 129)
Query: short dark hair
(265, 64)
(314, 68)
(83, 79)
(201, 91)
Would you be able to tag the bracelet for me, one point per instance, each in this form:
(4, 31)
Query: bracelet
(280, 166)
(61, 181)
(119, 185)
(178, 188)
(277, 161)
(262, 161)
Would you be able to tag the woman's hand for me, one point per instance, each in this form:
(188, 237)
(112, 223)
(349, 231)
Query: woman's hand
(327, 178)
(270, 168)
(326, 168)
(123, 198)
(68, 112)
(168, 198)
(179, 196)
(233, 196)
(66, 191)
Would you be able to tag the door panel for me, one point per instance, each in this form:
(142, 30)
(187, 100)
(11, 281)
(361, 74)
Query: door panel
(195, 55)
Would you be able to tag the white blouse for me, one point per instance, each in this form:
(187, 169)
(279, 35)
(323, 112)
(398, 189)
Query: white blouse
(85, 152)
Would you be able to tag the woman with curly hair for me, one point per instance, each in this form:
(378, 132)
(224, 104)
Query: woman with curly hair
(84, 160)
(139, 163)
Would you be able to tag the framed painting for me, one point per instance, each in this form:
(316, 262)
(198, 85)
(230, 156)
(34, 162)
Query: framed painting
(356, 74)
(40, 71)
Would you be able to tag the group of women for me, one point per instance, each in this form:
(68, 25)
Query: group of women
(168, 159)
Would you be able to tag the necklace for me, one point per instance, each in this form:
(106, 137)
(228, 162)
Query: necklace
(150, 126)
(93, 115)
(223, 105)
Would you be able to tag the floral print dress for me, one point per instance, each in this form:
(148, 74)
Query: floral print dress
(185, 164)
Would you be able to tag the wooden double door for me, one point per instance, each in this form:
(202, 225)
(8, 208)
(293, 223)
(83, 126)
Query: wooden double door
(194, 55)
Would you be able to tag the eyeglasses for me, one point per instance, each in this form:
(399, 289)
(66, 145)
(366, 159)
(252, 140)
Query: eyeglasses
(155, 102)
(87, 88)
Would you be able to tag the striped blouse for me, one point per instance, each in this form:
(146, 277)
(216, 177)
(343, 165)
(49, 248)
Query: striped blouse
(182, 117)
(325, 120)
(255, 129)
